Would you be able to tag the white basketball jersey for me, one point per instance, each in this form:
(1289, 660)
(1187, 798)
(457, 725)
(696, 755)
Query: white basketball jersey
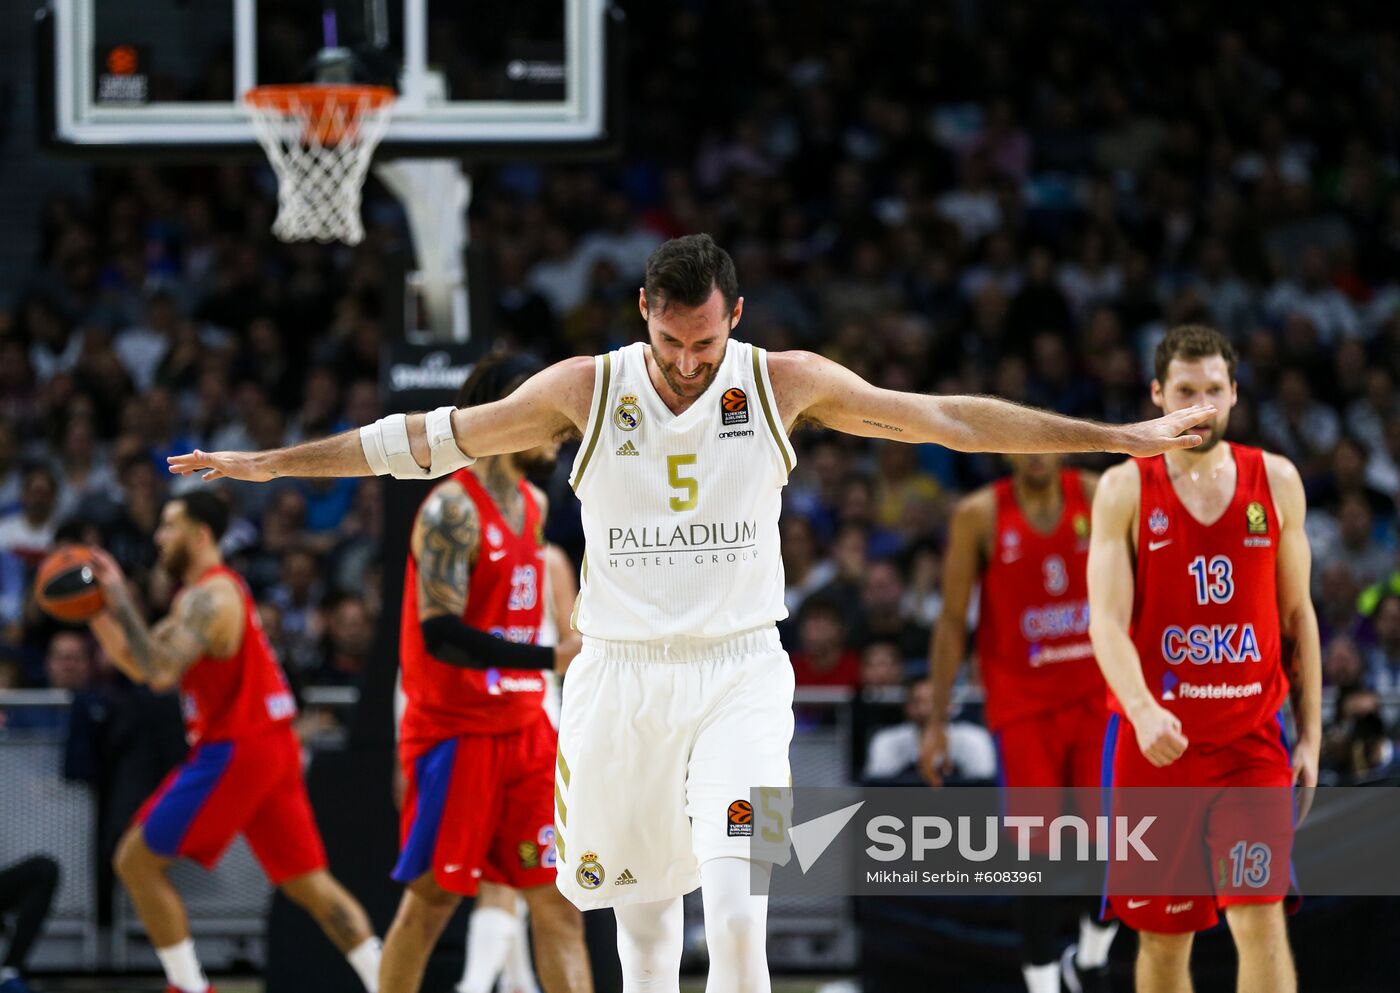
(680, 512)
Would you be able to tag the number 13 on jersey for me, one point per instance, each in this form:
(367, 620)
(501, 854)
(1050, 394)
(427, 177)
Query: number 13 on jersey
(1215, 581)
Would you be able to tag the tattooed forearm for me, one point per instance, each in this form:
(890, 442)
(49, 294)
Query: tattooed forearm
(175, 645)
(450, 532)
(138, 636)
(882, 425)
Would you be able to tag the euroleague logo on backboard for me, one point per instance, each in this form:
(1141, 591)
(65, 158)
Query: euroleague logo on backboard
(734, 406)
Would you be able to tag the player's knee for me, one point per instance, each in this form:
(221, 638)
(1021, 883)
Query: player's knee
(1256, 925)
(735, 927)
(1158, 947)
(131, 860)
(555, 920)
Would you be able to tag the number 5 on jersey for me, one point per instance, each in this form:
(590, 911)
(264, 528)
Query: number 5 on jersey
(687, 484)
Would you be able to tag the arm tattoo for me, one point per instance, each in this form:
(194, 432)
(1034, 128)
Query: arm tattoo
(882, 425)
(451, 531)
(166, 654)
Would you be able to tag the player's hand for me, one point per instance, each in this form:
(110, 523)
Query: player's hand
(108, 574)
(569, 646)
(934, 761)
(1165, 433)
(220, 465)
(1305, 763)
(1159, 734)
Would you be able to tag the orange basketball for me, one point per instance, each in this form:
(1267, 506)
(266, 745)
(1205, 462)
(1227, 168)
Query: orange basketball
(734, 399)
(65, 587)
(740, 812)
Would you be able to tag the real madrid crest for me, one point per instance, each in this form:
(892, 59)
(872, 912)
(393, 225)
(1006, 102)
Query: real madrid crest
(628, 416)
(1256, 519)
(590, 873)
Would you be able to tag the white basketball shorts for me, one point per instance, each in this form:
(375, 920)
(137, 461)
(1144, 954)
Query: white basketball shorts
(660, 746)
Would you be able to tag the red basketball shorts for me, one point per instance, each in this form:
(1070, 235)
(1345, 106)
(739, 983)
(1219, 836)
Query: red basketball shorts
(251, 786)
(1040, 756)
(1230, 834)
(481, 806)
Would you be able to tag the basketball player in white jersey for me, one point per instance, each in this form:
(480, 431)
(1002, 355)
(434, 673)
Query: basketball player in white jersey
(681, 700)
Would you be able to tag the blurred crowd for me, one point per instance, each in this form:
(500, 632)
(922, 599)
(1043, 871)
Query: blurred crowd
(1018, 206)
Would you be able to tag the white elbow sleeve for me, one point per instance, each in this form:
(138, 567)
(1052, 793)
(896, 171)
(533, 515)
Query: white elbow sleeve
(387, 450)
(445, 456)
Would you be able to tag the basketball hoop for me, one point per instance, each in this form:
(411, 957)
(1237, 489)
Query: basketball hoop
(319, 138)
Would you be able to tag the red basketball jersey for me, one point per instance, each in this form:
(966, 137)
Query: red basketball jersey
(1205, 609)
(504, 597)
(1033, 632)
(239, 696)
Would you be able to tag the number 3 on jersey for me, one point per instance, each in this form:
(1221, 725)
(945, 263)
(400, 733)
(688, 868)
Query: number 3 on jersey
(687, 484)
(1215, 582)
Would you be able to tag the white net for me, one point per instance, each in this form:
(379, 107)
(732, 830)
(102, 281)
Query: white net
(320, 140)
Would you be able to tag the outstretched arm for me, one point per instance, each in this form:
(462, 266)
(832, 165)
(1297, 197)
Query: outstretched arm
(550, 404)
(811, 387)
(1111, 590)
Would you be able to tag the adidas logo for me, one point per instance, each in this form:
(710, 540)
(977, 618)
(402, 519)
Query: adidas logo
(625, 879)
(628, 449)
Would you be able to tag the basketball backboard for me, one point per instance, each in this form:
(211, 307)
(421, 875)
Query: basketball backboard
(475, 77)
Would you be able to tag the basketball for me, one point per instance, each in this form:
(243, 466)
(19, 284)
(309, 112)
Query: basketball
(65, 587)
(740, 812)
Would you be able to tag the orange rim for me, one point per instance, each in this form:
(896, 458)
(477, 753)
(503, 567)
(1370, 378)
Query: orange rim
(317, 104)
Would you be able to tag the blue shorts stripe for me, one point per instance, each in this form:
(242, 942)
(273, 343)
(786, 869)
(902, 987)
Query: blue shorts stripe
(433, 771)
(1110, 746)
(171, 817)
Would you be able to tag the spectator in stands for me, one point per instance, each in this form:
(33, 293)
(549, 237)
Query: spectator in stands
(141, 347)
(1342, 667)
(881, 665)
(27, 890)
(1356, 745)
(28, 532)
(894, 752)
(1383, 657)
(1348, 538)
(881, 613)
(10, 469)
(84, 470)
(822, 657)
(298, 595)
(349, 639)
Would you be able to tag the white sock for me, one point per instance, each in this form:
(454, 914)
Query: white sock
(489, 932)
(364, 959)
(518, 976)
(181, 967)
(1095, 939)
(1042, 978)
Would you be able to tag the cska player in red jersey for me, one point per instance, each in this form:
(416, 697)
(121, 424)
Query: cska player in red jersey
(476, 746)
(243, 774)
(1027, 539)
(1198, 586)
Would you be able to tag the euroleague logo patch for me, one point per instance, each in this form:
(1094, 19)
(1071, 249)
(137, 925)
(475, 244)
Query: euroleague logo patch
(734, 406)
(740, 819)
